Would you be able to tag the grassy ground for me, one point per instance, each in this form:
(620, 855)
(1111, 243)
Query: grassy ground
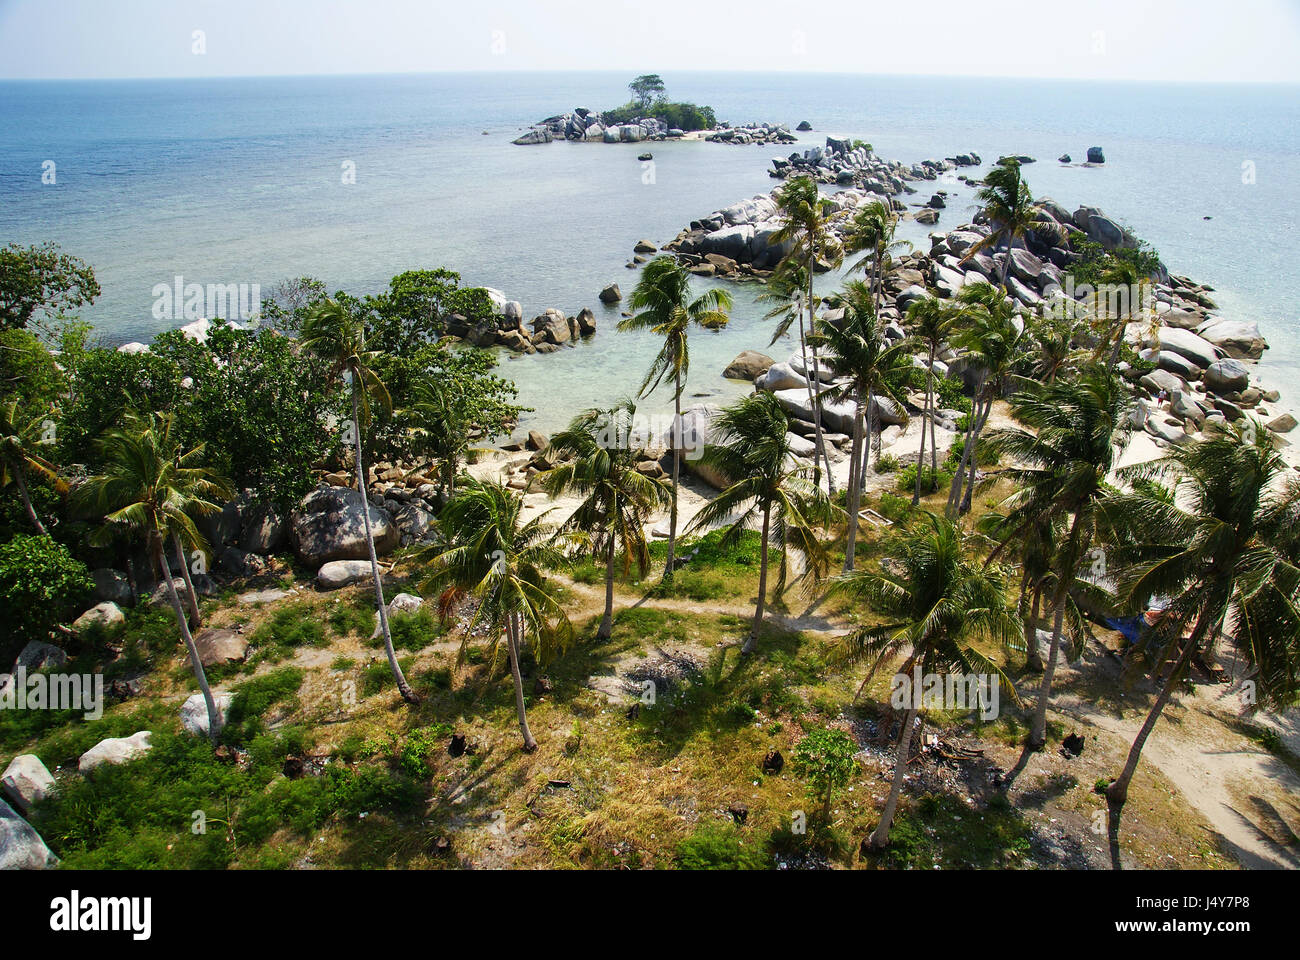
(323, 765)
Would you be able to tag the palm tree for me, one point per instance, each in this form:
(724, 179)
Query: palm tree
(806, 218)
(493, 556)
(663, 305)
(19, 436)
(438, 418)
(993, 345)
(1224, 551)
(1076, 430)
(786, 289)
(938, 601)
(600, 466)
(857, 349)
(1126, 282)
(871, 233)
(768, 489)
(1009, 208)
(932, 322)
(333, 333)
(1052, 348)
(151, 485)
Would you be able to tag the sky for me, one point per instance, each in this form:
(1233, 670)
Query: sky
(1147, 40)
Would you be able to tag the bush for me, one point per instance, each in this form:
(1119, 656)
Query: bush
(827, 758)
(897, 509)
(930, 480)
(41, 585)
(256, 696)
(713, 847)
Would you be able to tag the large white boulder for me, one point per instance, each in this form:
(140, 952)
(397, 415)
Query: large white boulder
(341, 573)
(26, 781)
(194, 712)
(21, 847)
(114, 751)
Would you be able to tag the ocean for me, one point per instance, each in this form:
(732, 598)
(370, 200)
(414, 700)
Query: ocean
(242, 181)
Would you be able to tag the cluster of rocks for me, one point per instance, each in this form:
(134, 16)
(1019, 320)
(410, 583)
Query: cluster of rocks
(537, 457)
(845, 163)
(753, 133)
(1096, 157)
(546, 333)
(586, 125)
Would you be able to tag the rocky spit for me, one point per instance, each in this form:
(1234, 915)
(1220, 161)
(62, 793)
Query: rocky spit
(584, 125)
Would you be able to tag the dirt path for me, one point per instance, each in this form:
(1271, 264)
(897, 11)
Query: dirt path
(1246, 794)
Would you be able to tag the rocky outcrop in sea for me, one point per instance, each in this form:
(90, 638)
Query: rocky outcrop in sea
(586, 125)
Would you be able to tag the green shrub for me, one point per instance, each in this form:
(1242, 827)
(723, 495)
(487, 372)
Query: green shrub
(253, 698)
(827, 759)
(41, 585)
(930, 480)
(713, 847)
(412, 631)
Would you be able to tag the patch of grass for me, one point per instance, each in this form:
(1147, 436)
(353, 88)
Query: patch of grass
(292, 626)
(717, 847)
(411, 631)
(939, 829)
(253, 698)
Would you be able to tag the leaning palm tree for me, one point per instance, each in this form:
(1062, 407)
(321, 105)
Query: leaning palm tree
(768, 489)
(663, 305)
(857, 348)
(1224, 551)
(1009, 209)
(333, 333)
(152, 486)
(937, 601)
(932, 322)
(786, 290)
(993, 343)
(1075, 432)
(498, 560)
(19, 437)
(600, 452)
(806, 226)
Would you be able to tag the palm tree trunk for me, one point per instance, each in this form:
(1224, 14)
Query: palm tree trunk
(677, 465)
(814, 403)
(854, 491)
(192, 600)
(880, 836)
(607, 622)
(934, 442)
(21, 483)
(752, 640)
(1006, 264)
(866, 447)
(974, 458)
(1038, 729)
(926, 415)
(514, 629)
(1117, 790)
(196, 663)
(1033, 658)
(954, 492)
(403, 687)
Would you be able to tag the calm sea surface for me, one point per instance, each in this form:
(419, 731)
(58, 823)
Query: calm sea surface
(239, 181)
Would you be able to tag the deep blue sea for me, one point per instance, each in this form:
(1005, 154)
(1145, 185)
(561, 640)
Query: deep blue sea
(240, 181)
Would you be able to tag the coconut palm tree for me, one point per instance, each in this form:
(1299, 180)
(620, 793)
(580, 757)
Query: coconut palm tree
(938, 601)
(335, 334)
(1224, 551)
(871, 233)
(152, 486)
(1052, 350)
(19, 437)
(1075, 432)
(993, 343)
(1009, 209)
(438, 417)
(768, 489)
(807, 218)
(600, 452)
(932, 322)
(857, 348)
(786, 290)
(663, 305)
(496, 558)
(1126, 282)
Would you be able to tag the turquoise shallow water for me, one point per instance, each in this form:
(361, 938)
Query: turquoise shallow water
(230, 181)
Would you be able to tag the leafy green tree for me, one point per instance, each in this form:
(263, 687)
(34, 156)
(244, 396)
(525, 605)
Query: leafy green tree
(1072, 435)
(289, 302)
(663, 304)
(152, 486)
(600, 457)
(827, 760)
(41, 585)
(768, 489)
(498, 559)
(1224, 552)
(335, 334)
(937, 601)
(41, 280)
(646, 89)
